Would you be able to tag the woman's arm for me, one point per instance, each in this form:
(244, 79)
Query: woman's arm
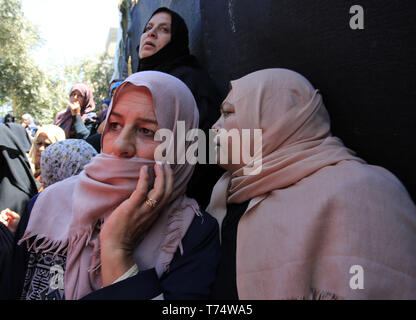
(81, 130)
(130, 221)
(190, 276)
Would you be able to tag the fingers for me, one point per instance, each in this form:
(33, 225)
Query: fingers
(3, 218)
(161, 191)
(8, 217)
(139, 195)
(159, 187)
(169, 180)
(163, 184)
(11, 214)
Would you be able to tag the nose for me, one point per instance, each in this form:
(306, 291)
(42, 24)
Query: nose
(124, 145)
(151, 33)
(217, 125)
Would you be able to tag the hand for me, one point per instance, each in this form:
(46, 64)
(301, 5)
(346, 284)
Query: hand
(75, 108)
(129, 222)
(10, 219)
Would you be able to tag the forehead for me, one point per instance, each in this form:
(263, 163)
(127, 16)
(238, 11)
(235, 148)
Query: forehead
(161, 17)
(76, 91)
(42, 137)
(133, 101)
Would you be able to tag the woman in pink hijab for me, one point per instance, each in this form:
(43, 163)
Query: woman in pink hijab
(124, 228)
(305, 218)
(77, 120)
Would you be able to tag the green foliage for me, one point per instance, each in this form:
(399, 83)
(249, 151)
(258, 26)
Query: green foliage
(23, 84)
(29, 88)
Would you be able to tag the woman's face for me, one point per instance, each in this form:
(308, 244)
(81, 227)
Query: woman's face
(131, 125)
(76, 96)
(157, 34)
(224, 139)
(42, 142)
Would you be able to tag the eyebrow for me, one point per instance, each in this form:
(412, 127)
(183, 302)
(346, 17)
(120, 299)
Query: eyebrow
(161, 24)
(113, 113)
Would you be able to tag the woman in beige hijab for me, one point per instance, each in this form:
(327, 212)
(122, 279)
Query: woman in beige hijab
(314, 221)
(45, 136)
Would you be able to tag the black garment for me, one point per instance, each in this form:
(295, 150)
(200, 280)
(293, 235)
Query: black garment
(17, 184)
(21, 135)
(190, 276)
(225, 286)
(95, 141)
(6, 253)
(175, 59)
(12, 279)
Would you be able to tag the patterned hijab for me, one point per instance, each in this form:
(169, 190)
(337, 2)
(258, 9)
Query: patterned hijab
(65, 159)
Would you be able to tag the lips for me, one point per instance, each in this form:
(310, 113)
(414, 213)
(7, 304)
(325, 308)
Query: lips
(148, 43)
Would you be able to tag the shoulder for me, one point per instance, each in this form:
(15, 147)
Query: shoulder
(191, 275)
(203, 229)
(352, 175)
(194, 77)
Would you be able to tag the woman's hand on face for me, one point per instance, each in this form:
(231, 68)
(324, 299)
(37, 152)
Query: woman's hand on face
(130, 221)
(10, 219)
(75, 108)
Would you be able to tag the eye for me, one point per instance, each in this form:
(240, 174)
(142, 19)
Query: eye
(227, 109)
(148, 27)
(146, 132)
(226, 113)
(114, 126)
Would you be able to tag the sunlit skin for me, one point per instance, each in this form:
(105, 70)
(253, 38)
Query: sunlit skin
(157, 34)
(132, 125)
(25, 122)
(10, 219)
(129, 132)
(76, 100)
(227, 121)
(42, 142)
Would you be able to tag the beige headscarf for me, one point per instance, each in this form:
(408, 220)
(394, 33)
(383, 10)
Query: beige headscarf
(315, 209)
(54, 134)
(65, 216)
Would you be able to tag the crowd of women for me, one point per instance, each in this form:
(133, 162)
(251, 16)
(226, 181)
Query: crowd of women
(92, 211)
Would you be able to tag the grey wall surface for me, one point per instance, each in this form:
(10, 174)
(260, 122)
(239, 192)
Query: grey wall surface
(367, 77)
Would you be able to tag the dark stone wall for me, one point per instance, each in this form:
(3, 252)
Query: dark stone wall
(367, 77)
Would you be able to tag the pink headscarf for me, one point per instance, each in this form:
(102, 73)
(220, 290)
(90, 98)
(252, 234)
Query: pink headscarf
(67, 215)
(315, 209)
(64, 118)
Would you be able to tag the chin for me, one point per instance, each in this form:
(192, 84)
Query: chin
(146, 53)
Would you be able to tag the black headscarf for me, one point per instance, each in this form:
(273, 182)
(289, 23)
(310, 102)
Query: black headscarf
(21, 135)
(17, 184)
(174, 58)
(173, 54)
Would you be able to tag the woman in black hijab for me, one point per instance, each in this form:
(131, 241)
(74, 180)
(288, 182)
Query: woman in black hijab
(17, 186)
(164, 46)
